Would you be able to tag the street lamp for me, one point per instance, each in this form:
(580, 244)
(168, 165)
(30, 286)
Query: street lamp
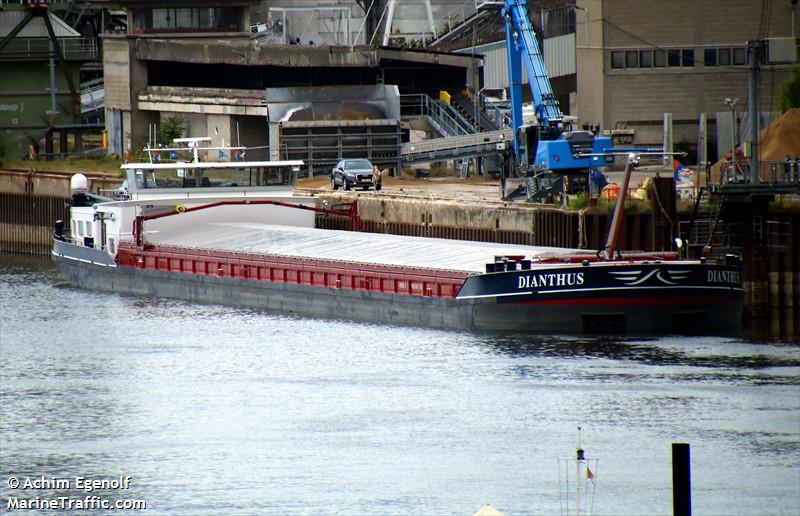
(732, 104)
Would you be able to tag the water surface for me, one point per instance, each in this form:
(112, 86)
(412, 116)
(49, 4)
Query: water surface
(220, 410)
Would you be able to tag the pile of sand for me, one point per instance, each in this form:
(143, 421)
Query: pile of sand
(781, 138)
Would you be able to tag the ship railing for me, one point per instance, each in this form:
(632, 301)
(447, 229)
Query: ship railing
(86, 241)
(295, 270)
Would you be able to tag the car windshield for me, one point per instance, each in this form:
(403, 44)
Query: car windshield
(357, 164)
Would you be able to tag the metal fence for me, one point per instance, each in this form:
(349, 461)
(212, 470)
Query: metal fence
(73, 49)
(771, 172)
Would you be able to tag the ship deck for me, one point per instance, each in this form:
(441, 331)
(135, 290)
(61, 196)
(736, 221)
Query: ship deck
(373, 248)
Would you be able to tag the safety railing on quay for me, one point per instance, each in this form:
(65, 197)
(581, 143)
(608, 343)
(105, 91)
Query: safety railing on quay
(698, 234)
(770, 172)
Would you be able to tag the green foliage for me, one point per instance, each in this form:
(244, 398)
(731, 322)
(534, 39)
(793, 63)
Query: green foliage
(789, 91)
(581, 201)
(578, 201)
(171, 127)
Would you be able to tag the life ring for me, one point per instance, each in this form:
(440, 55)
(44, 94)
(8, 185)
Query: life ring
(180, 208)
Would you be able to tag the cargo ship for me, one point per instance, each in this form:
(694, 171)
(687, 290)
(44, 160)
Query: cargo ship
(234, 233)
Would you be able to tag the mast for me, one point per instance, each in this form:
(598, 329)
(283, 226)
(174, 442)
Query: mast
(578, 469)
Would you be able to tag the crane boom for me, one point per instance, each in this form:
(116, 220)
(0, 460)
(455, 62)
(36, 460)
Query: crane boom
(548, 150)
(522, 46)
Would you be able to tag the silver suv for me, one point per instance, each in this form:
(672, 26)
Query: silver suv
(352, 172)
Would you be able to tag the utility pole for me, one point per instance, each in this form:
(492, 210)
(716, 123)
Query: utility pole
(732, 104)
(754, 52)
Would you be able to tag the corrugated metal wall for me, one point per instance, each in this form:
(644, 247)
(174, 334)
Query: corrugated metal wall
(559, 55)
(559, 60)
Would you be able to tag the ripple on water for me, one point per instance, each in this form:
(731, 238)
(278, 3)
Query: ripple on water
(224, 410)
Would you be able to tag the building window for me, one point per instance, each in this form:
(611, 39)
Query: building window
(80, 228)
(687, 57)
(192, 19)
(674, 57)
(631, 59)
(617, 59)
(558, 21)
(710, 57)
(88, 228)
(724, 56)
(739, 57)
(659, 58)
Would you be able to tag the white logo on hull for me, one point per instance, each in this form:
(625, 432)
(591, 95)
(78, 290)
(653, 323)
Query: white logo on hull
(666, 277)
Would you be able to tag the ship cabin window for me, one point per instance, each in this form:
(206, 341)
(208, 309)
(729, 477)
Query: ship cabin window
(145, 179)
(215, 177)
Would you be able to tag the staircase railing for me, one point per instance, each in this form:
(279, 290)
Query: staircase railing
(500, 118)
(438, 114)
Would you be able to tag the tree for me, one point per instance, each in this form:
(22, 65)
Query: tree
(171, 127)
(789, 91)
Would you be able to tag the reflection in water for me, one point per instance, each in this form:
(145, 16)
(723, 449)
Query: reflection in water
(780, 325)
(219, 410)
(653, 351)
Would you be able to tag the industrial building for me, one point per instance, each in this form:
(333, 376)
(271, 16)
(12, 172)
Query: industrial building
(285, 79)
(639, 59)
(376, 70)
(47, 50)
(620, 65)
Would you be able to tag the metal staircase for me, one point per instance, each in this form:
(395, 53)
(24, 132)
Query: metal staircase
(439, 115)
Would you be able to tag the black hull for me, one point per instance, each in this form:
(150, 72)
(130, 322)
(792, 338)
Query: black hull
(649, 311)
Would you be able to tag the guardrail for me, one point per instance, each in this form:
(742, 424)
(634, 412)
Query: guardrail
(781, 174)
(498, 116)
(437, 114)
(73, 49)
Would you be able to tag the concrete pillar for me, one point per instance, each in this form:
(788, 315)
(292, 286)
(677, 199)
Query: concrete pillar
(78, 141)
(48, 145)
(63, 143)
(218, 127)
(274, 141)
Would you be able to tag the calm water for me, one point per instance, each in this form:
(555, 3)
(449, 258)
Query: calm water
(217, 410)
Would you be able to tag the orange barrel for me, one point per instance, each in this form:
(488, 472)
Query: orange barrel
(611, 191)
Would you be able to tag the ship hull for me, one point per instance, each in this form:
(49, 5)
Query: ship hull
(288, 298)
(486, 302)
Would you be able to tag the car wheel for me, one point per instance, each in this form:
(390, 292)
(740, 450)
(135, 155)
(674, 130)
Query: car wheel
(347, 185)
(334, 186)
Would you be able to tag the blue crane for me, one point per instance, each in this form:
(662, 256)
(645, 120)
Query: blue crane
(550, 146)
